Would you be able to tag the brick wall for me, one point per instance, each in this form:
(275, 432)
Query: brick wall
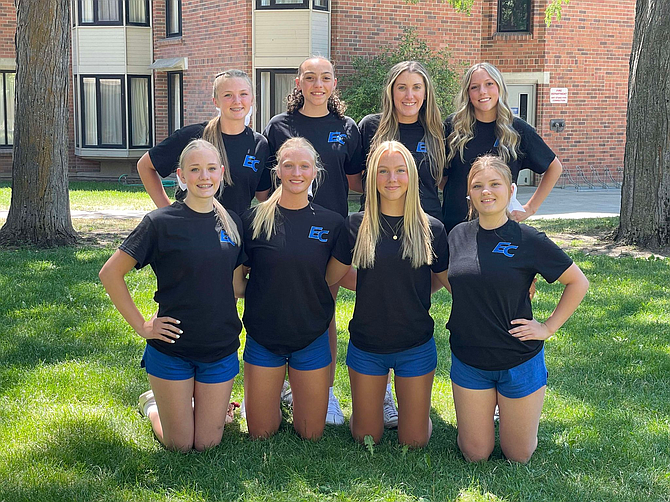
(216, 35)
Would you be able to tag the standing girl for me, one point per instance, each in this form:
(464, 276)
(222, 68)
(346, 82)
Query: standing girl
(484, 124)
(316, 114)
(395, 246)
(194, 247)
(496, 344)
(243, 151)
(288, 305)
(410, 115)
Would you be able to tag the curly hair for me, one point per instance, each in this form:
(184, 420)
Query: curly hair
(295, 100)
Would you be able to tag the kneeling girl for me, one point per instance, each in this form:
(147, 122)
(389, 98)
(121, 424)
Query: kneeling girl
(194, 247)
(496, 344)
(288, 305)
(395, 245)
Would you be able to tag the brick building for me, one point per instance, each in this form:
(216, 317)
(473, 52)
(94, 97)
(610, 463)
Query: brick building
(142, 68)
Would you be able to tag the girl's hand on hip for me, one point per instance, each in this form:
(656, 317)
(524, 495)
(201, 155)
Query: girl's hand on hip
(161, 328)
(530, 329)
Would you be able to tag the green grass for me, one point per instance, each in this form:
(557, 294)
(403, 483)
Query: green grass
(70, 377)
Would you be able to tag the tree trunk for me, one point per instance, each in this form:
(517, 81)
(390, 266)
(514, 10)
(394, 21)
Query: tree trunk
(645, 196)
(40, 208)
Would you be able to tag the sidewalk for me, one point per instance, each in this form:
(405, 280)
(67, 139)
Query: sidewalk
(566, 203)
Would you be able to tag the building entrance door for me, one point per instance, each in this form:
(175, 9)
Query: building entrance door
(522, 100)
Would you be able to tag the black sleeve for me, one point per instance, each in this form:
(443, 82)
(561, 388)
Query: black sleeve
(550, 260)
(354, 164)
(141, 243)
(165, 155)
(343, 249)
(263, 153)
(440, 248)
(536, 154)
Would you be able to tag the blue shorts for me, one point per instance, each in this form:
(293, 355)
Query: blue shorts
(413, 362)
(313, 357)
(520, 381)
(179, 368)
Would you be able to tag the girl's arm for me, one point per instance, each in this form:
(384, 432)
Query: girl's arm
(240, 280)
(152, 181)
(112, 277)
(442, 280)
(355, 182)
(548, 181)
(576, 285)
(335, 271)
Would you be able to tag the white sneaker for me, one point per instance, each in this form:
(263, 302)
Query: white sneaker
(334, 415)
(145, 401)
(390, 411)
(287, 394)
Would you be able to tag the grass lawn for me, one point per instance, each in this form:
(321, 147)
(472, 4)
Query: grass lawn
(70, 377)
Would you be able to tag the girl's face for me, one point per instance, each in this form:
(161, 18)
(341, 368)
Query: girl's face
(234, 98)
(489, 192)
(409, 93)
(392, 176)
(483, 93)
(316, 81)
(296, 170)
(201, 172)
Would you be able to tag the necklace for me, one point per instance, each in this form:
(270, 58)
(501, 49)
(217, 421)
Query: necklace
(395, 230)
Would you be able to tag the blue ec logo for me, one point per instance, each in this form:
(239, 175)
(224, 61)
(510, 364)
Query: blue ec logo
(337, 137)
(421, 147)
(223, 237)
(250, 162)
(505, 248)
(318, 233)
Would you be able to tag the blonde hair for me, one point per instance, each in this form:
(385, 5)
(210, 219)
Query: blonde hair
(416, 233)
(479, 165)
(265, 213)
(464, 119)
(429, 117)
(212, 132)
(223, 218)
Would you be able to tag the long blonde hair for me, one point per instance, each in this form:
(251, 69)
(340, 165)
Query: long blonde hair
(488, 162)
(464, 119)
(265, 213)
(212, 131)
(429, 117)
(224, 220)
(416, 243)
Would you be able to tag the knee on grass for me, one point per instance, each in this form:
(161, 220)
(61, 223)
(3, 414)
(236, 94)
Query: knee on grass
(475, 451)
(519, 453)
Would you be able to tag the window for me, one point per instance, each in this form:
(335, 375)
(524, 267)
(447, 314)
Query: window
(320, 4)
(103, 111)
(513, 15)
(173, 17)
(7, 88)
(139, 111)
(283, 4)
(175, 86)
(273, 87)
(137, 12)
(101, 12)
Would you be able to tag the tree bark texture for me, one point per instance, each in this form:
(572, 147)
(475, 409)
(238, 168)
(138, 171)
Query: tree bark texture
(645, 196)
(40, 207)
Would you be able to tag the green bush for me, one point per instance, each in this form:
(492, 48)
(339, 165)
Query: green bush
(362, 89)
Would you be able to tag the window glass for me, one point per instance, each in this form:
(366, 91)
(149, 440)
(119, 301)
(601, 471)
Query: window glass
(86, 11)
(175, 108)
(89, 108)
(173, 17)
(139, 112)
(138, 12)
(111, 112)
(513, 15)
(108, 10)
(10, 90)
(275, 86)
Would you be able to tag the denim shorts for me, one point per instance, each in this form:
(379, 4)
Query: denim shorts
(413, 362)
(520, 381)
(179, 368)
(313, 357)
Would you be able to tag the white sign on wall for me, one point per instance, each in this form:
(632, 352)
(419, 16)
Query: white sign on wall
(558, 95)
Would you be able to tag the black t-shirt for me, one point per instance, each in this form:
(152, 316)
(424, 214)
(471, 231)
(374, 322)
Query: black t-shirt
(412, 136)
(392, 298)
(194, 265)
(533, 154)
(490, 272)
(287, 301)
(338, 143)
(247, 153)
